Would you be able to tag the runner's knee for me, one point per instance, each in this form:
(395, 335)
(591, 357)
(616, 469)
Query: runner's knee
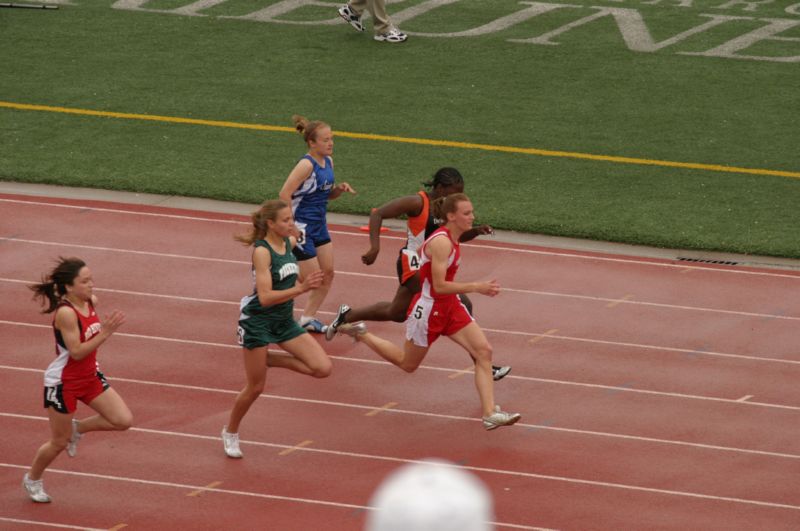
(483, 352)
(122, 421)
(397, 311)
(59, 443)
(322, 370)
(409, 366)
(254, 389)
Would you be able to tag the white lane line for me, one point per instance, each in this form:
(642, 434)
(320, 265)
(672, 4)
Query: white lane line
(692, 352)
(243, 221)
(513, 473)
(137, 293)
(184, 486)
(642, 262)
(680, 267)
(653, 304)
(535, 336)
(745, 398)
(126, 251)
(454, 371)
(49, 524)
(216, 490)
(613, 303)
(439, 415)
(624, 300)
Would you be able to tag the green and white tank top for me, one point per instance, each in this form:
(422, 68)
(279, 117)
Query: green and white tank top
(284, 271)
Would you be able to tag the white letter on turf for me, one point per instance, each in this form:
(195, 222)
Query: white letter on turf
(190, 10)
(765, 33)
(632, 27)
(500, 23)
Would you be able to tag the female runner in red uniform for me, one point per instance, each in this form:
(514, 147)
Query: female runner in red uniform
(421, 223)
(436, 310)
(74, 374)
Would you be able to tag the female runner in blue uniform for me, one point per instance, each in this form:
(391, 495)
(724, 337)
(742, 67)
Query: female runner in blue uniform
(308, 188)
(267, 314)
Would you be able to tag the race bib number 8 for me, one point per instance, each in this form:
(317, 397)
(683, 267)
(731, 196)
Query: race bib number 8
(301, 234)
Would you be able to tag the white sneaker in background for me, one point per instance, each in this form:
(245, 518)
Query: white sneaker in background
(393, 35)
(35, 489)
(500, 418)
(352, 329)
(230, 441)
(347, 13)
(72, 445)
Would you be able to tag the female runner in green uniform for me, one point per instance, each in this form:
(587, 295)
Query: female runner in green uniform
(267, 314)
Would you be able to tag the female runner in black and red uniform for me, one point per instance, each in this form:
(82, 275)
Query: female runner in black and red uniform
(74, 374)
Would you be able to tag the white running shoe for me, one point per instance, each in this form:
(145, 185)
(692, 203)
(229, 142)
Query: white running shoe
(393, 35)
(72, 445)
(347, 13)
(500, 418)
(353, 329)
(35, 489)
(231, 443)
(499, 372)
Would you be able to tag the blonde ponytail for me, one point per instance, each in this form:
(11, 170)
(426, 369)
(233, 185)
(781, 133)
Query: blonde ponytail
(268, 212)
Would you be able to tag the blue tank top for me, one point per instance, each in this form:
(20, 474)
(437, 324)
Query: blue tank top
(310, 200)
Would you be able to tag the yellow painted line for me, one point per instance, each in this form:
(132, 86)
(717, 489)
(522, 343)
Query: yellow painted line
(296, 447)
(461, 373)
(411, 140)
(539, 337)
(374, 412)
(150, 117)
(118, 527)
(199, 492)
(615, 303)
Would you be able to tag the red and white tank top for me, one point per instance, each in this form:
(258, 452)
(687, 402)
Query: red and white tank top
(65, 368)
(453, 261)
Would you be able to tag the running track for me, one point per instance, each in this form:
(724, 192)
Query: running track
(654, 394)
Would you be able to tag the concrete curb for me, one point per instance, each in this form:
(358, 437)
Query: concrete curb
(539, 240)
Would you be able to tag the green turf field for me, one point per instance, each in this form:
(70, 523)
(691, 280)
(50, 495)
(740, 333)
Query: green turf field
(664, 122)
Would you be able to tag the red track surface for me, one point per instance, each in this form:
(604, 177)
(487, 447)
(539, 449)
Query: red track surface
(654, 394)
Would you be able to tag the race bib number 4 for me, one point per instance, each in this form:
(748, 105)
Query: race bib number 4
(412, 259)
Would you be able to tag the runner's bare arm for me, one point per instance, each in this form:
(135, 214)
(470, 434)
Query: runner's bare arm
(410, 205)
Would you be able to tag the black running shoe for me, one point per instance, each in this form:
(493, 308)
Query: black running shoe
(330, 331)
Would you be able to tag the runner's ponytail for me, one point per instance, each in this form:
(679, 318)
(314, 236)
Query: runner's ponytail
(54, 284)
